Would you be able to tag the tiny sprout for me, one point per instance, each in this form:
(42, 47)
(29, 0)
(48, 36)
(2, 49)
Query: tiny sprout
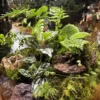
(79, 63)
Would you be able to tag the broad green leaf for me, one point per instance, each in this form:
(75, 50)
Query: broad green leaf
(79, 35)
(38, 30)
(41, 10)
(31, 13)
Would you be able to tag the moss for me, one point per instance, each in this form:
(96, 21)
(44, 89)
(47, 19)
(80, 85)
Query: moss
(69, 30)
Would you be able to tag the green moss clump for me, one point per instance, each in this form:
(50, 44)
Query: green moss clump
(69, 30)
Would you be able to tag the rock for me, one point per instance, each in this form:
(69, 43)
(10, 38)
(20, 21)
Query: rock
(6, 63)
(6, 88)
(22, 92)
(69, 69)
(12, 62)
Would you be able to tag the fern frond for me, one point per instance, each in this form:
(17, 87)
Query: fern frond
(71, 44)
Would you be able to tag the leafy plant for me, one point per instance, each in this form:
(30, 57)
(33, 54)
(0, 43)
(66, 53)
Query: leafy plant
(40, 74)
(2, 39)
(74, 46)
(14, 13)
(43, 45)
(7, 40)
(68, 30)
(12, 74)
(80, 35)
(47, 91)
(56, 15)
(73, 39)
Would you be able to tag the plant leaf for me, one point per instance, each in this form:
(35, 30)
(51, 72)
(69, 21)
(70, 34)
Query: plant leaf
(29, 60)
(75, 43)
(47, 51)
(41, 11)
(25, 72)
(79, 35)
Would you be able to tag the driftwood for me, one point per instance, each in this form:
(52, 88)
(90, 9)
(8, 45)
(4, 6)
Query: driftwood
(69, 69)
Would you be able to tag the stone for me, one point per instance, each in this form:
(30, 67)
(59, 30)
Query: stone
(6, 88)
(69, 69)
(22, 92)
(12, 62)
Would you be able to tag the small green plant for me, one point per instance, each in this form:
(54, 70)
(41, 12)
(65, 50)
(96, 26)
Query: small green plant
(40, 73)
(68, 30)
(73, 39)
(56, 15)
(72, 87)
(2, 39)
(47, 91)
(7, 40)
(12, 74)
(14, 13)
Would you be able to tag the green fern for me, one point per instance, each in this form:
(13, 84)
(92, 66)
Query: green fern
(30, 13)
(15, 13)
(74, 45)
(72, 39)
(57, 13)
